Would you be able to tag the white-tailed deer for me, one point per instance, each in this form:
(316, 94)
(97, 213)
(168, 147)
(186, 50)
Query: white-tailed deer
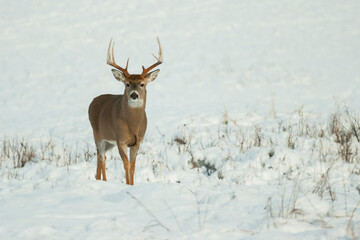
(121, 119)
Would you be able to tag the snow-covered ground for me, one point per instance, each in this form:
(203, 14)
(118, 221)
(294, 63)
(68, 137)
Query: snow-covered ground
(239, 142)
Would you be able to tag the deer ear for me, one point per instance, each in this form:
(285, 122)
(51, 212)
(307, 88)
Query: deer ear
(151, 76)
(119, 75)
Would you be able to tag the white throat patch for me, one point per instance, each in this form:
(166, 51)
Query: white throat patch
(137, 103)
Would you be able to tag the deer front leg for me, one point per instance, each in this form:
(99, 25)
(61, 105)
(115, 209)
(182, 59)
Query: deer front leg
(103, 168)
(122, 151)
(133, 153)
(98, 168)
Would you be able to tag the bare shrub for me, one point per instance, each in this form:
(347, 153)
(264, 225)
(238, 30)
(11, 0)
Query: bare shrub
(345, 144)
(184, 144)
(354, 123)
(269, 213)
(207, 167)
(257, 136)
(344, 131)
(290, 139)
(47, 148)
(335, 126)
(183, 141)
(355, 234)
(323, 186)
(286, 204)
(21, 151)
(180, 142)
(87, 154)
(303, 127)
(289, 199)
(18, 150)
(5, 150)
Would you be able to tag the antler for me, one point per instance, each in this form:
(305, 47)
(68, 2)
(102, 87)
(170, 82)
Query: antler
(159, 61)
(111, 61)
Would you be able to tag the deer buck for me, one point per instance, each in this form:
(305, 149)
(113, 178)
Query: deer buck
(121, 119)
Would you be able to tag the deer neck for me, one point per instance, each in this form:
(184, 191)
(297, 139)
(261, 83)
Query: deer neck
(134, 117)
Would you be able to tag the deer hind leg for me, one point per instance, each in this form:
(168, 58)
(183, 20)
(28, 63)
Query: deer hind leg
(101, 160)
(133, 153)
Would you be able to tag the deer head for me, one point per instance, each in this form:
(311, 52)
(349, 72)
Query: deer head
(135, 84)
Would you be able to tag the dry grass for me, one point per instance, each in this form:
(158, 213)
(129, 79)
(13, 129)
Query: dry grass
(20, 152)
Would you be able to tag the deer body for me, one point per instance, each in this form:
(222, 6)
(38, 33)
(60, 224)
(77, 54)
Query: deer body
(120, 120)
(117, 126)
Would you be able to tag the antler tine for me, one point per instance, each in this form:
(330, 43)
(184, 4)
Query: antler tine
(127, 63)
(108, 53)
(111, 60)
(112, 53)
(159, 59)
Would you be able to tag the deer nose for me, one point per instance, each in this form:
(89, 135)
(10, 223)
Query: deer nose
(134, 95)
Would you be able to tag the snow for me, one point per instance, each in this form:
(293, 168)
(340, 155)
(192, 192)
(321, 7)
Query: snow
(234, 72)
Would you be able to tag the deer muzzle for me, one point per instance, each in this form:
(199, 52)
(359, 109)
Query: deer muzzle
(134, 95)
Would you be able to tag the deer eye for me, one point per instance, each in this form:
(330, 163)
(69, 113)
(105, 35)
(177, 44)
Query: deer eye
(142, 84)
(127, 85)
